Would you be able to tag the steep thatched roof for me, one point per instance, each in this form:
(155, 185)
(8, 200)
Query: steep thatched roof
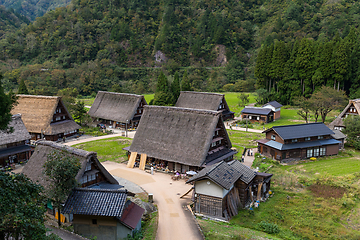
(117, 107)
(174, 134)
(37, 113)
(200, 100)
(19, 131)
(338, 122)
(34, 167)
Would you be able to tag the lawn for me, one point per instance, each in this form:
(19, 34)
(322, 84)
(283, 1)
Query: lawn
(233, 101)
(110, 149)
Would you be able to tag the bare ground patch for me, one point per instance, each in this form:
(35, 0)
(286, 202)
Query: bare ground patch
(326, 191)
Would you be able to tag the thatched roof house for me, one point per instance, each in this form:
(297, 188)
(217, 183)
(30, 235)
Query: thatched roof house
(13, 147)
(117, 109)
(91, 172)
(45, 116)
(352, 109)
(206, 101)
(182, 137)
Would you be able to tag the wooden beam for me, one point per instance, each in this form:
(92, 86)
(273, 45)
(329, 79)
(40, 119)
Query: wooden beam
(142, 161)
(259, 191)
(132, 159)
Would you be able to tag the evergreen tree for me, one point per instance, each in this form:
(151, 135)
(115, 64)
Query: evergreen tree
(22, 88)
(79, 111)
(304, 62)
(175, 88)
(185, 84)
(7, 102)
(163, 96)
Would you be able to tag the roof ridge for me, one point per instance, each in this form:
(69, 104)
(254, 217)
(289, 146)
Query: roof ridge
(36, 96)
(125, 94)
(59, 146)
(301, 124)
(180, 109)
(219, 94)
(101, 190)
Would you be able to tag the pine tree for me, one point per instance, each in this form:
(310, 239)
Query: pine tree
(22, 88)
(163, 96)
(7, 101)
(175, 88)
(185, 85)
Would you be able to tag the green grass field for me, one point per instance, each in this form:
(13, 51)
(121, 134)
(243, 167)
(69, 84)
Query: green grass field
(110, 149)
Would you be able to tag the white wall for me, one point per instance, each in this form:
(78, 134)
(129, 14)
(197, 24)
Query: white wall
(212, 189)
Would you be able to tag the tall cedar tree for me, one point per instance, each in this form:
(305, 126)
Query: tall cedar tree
(7, 102)
(61, 168)
(175, 88)
(185, 84)
(79, 111)
(22, 88)
(22, 208)
(163, 96)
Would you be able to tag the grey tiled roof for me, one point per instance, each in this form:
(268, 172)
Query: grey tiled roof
(283, 147)
(275, 104)
(97, 202)
(247, 173)
(302, 130)
(262, 111)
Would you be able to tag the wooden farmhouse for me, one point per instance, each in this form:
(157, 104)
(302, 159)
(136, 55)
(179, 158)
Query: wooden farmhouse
(275, 107)
(117, 110)
(45, 117)
(298, 142)
(221, 189)
(352, 109)
(103, 213)
(206, 101)
(14, 146)
(256, 114)
(180, 139)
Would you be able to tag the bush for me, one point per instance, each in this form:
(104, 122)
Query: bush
(268, 227)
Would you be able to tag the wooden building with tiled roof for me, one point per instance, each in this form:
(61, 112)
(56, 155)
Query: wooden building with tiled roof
(117, 109)
(205, 101)
(14, 142)
(182, 139)
(45, 117)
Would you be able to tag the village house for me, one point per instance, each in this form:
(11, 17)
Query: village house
(298, 142)
(275, 107)
(352, 109)
(257, 114)
(45, 117)
(221, 189)
(117, 110)
(103, 213)
(180, 139)
(14, 142)
(205, 101)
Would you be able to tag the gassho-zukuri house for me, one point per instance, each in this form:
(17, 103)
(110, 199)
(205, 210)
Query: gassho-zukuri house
(352, 109)
(45, 117)
(117, 110)
(180, 139)
(206, 101)
(14, 146)
(299, 141)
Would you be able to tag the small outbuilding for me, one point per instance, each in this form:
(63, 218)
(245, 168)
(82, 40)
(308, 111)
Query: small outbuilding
(117, 110)
(257, 114)
(275, 107)
(103, 213)
(205, 101)
(14, 143)
(220, 190)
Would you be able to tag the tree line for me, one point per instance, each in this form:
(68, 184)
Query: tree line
(289, 70)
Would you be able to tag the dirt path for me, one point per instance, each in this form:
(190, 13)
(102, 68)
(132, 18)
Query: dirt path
(70, 143)
(175, 220)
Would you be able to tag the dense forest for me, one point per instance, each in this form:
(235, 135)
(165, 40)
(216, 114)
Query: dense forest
(10, 21)
(112, 44)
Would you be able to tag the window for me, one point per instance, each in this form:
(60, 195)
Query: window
(249, 117)
(309, 153)
(58, 118)
(213, 144)
(94, 221)
(294, 140)
(316, 152)
(307, 139)
(88, 166)
(139, 110)
(258, 118)
(322, 151)
(320, 137)
(273, 137)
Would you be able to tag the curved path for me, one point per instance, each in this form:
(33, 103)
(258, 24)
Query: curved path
(176, 222)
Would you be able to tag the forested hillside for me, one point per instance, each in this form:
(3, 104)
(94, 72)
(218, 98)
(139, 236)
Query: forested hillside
(113, 44)
(34, 8)
(10, 21)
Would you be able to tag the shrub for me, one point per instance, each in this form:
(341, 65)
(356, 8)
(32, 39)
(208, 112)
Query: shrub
(268, 227)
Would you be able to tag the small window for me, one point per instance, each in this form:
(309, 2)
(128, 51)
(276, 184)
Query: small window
(258, 118)
(273, 137)
(94, 221)
(320, 137)
(249, 117)
(307, 139)
(294, 140)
